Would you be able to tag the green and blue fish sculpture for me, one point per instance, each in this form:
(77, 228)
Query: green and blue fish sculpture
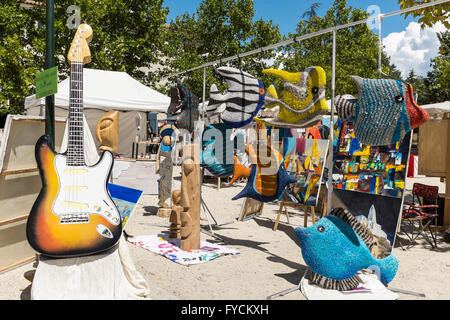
(337, 247)
(217, 154)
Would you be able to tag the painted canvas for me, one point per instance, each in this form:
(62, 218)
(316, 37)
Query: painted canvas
(305, 160)
(369, 169)
(379, 214)
(125, 200)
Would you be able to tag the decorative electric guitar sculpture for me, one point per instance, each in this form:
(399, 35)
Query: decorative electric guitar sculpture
(74, 214)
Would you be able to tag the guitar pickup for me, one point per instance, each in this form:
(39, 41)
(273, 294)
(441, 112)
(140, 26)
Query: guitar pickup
(76, 205)
(75, 188)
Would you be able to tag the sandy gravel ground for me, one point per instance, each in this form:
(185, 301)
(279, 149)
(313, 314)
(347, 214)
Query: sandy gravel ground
(269, 261)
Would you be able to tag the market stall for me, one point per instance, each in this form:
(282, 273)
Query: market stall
(105, 91)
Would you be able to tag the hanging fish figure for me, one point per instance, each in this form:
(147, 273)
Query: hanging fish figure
(384, 111)
(239, 169)
(268, 176)
(303, 97)
(243, 100)
(337, 247)
(182, 98)
(218, 150)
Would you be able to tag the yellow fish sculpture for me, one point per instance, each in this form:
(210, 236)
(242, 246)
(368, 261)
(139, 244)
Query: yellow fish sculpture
(303, 97)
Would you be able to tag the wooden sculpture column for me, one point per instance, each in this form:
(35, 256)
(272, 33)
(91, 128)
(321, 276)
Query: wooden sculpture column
(186, 203)
(107, 132)
(164, 167)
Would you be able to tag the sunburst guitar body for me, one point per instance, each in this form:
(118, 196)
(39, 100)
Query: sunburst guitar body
(74, 214)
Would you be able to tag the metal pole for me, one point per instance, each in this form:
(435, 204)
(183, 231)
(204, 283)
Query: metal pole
(204, 94)
(380, 46)
(49, 63)
(330, 156)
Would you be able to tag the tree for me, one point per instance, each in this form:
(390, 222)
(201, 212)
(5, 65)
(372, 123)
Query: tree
(17, 63)
(420, 87)
(218, 29)
(428, 16)
(126, 34)
(438, 80)
(356, 51)
(127, 37)
(312, 12)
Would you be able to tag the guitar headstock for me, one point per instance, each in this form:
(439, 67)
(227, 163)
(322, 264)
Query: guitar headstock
(79, 49)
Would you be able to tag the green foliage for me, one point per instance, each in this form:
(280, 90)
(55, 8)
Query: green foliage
(430, 15)
(17, 64)
(126, 38)
(218, 29)
(356, 48)
(126, 34)
(312, 12)
(439, 78)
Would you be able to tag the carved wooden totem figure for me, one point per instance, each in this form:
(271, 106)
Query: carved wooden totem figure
(164, 167)
(175, 216)
(107, 132)
(188, 199)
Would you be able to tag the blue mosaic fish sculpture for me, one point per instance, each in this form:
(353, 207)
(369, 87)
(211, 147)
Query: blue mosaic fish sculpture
(337, 247)
(266, 183)
(384, 111)
(216, 138)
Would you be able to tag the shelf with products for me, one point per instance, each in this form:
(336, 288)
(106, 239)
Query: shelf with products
(371, 169)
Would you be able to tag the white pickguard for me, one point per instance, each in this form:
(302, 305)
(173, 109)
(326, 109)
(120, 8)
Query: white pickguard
(82, 191)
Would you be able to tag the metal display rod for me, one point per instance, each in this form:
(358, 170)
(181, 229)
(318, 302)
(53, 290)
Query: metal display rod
(49, 63)
(311, 35)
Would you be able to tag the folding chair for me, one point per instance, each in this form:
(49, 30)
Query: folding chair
(421, 214)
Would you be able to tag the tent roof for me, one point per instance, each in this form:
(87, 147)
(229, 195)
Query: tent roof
(437, 110)
(109, 90)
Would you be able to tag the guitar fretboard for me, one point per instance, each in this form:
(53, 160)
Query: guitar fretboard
(75, 148)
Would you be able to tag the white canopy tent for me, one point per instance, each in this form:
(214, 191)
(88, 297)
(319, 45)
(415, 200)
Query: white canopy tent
(437, 110)
(104, 91)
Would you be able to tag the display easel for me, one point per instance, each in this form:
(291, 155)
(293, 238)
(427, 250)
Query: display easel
(19, 172)
(250, 209)
(286, 204)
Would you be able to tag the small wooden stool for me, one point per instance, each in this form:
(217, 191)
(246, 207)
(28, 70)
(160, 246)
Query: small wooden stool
(286, 204)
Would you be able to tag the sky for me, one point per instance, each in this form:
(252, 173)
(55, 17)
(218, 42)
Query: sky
(408, 46)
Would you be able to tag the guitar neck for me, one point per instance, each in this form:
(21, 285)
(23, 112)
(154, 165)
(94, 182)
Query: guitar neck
(75, 146)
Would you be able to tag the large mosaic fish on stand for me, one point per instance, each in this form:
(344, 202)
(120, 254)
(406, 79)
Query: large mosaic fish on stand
(384, 111)
(337, 247)
(181, 98)
(303, 102)
(243, 100)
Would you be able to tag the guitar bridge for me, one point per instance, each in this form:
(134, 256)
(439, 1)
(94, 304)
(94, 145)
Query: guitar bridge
(74, 218)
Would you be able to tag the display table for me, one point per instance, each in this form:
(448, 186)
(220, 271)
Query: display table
(147, 144)
(134, 174)
(110, 275)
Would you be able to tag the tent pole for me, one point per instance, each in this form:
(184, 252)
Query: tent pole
(49, 63)
(330, 156)
(204, 94)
